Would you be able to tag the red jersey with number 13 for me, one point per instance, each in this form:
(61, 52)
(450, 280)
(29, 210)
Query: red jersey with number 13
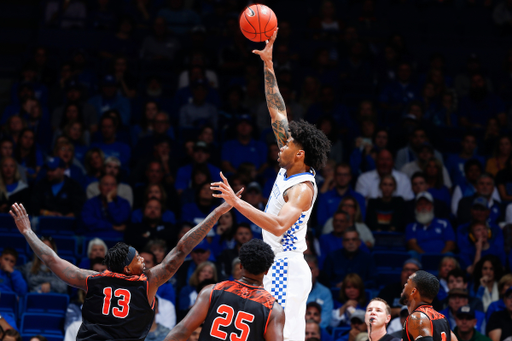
(440, 327)
(116, 307)
(237, 312)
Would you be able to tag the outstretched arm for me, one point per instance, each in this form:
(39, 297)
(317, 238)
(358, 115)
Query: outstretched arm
(275, 102)
(165, 270)
(275, 324)
(66, 271)
(194, 318)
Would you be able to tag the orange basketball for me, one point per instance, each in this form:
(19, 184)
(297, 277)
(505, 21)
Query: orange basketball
(258, 22)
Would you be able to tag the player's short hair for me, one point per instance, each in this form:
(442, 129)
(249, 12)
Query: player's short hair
(256, 256)
(116, 257)
(427, 284)
(378, 299)
(313, 141)
(10, 251)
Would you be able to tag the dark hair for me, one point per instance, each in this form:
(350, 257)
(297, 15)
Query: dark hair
(13, 333)
(148, 251)
(256, 256)
(350, 229)
(457, 272)
(242, 225)
(497, 267)
(116, 256)
(31, 157)
(470, 163)
(65, 121)
(427, 284)
(39, 337)
(314, 142)
(10, 251)
(97, 260)
(144, 123)
(418, 174)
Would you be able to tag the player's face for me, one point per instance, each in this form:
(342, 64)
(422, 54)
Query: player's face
(377, 310)
(287, 153)
(137, 265)
(313, 314)
(407, 291)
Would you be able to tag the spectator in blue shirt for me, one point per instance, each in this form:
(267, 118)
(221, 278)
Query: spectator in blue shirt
(428, 233)
(417, 139)
(484, 188)
(106, 215)
(197, 211)
(350, 259)
(314, 312)
(480, 105)
(455, 162)
(329, 201)
(244, 148)
(319, 294)
(467, 187)
(110, 99)
(110, 146)
(10, 279)
(458, 298)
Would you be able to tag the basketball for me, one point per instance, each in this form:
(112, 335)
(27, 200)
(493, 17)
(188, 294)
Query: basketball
(258, 22)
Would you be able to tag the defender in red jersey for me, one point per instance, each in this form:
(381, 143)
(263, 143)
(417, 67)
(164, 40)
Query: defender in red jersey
(240, 310)
(120, 301)
(423, 323)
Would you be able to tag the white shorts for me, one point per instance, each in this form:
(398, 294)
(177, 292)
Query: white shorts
(289, 281)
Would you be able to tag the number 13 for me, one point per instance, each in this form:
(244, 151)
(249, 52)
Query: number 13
(124, 302)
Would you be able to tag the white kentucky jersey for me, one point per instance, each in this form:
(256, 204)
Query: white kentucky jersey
(294, 239)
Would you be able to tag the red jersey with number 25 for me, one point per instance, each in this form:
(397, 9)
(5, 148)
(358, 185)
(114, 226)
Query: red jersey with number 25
(116, 307)
(439, 325)
(237, 312)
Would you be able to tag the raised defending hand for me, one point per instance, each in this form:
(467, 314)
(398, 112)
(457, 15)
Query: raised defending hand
(20, 216)
(227, 192)
(266, 53)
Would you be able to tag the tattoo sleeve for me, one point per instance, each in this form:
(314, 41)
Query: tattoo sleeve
(275, 104)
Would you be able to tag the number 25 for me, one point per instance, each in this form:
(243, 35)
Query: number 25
(124, 302)
(227, 319)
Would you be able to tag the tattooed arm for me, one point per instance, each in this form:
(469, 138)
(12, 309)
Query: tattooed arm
(165, 270)
(66, 271)
(275, 102)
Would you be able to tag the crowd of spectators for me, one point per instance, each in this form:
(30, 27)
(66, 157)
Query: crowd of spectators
(126, 136)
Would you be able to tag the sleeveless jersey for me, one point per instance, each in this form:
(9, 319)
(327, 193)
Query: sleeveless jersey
(294, 239)
(116, 307)
(440, 327)
(237, 311)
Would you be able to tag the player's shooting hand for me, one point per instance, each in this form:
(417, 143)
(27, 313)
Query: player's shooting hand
(20, 216)
(266, 53)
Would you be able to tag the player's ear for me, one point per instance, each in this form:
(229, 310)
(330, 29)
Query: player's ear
(127, 270)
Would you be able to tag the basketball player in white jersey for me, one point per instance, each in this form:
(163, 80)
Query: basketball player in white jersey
(303, 148)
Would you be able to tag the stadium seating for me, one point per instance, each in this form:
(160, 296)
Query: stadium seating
(8, 303)
(389, 241)
(49, 226)
(51, 324)
(7, 224)
(46, 303)
(385, 259)
(15, 241)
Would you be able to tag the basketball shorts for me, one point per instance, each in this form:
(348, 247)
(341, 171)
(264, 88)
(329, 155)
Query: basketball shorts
(289, 282)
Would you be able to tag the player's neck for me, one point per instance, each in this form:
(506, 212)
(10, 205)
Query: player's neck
(297, 168)
(251, 281)
(377, 333)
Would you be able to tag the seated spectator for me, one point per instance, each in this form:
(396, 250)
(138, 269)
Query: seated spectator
(11, 280)
(97, 264)
(358, 328)
(155, 191)
(11, 335)
(200, 156)
(457, 279)
(368, 182)
(499, 326)
(29, 77)
(112, 167)
(94, 162)
(333, 240)
(155, 175)
(463, 79)
(95, 249)
(504, 182)
(350, 259)
(106, 214)
(351, 207)
(151, 227)
(419, 184)
(391, 293)
(385, 213)
(163, 153)
(196, 211)
(7, 150)
(433, 171)
(57, 194)
(157, 331)
(458, 298)
(487, 273)
(242, 235)
(74, 96)
(314, 312)
(501, 154)
(71, 113)
(313, 331)
(329, 201)
(67, 15)
(319, 294)
(12, 188)
(446, 265)
(66, 152)
(503, 285)
(180, 20)
(40, 125)
(161, 44)
(158, 248)
(363, 156)
(484, 188)
(417, 139)
(188, 294)
(224, 232)
(352, 297)
(455, 163)
(425, 154)
(466, 325)
(109, 145)
(480, 105)
(39, 277)
(428, 233)
(244, 148)
(326, 124)
(74, 311)
(199, 111)
(110, 99)
(27, 154)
